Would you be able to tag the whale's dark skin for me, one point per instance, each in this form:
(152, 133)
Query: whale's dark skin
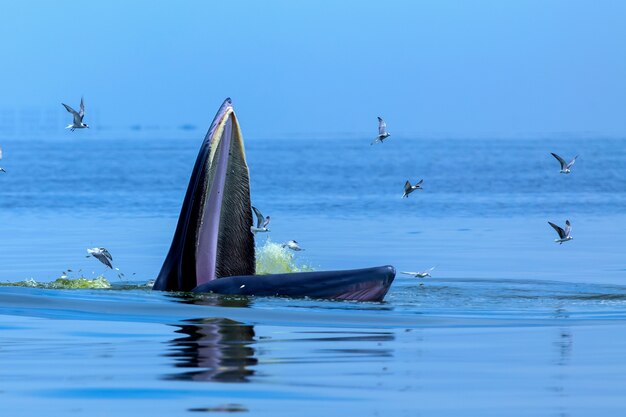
(213, 247)
(369, 284)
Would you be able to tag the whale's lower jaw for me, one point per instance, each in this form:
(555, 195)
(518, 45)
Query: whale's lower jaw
(212, 237)
(369, 284)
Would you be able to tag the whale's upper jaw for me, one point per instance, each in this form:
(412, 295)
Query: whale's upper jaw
(368, 284)
(213, 238)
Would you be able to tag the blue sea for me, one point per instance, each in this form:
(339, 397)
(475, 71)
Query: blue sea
(510, 323)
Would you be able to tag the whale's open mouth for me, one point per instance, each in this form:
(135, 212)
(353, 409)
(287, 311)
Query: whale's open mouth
(213, 238)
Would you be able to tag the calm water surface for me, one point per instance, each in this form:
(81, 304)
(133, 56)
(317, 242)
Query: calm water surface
(509, 324)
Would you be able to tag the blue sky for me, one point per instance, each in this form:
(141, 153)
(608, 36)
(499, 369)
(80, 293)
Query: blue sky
(325, 68)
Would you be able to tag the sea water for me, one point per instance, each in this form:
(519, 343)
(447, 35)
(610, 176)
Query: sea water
(510, 323)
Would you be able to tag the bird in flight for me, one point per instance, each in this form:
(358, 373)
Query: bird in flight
(293, 245)
(1, 169)
(77, 121)
(382, 131)
(408, 188)
(422, 274)
(565, 167)
(563, 234)
(102, 255)
(261, 222)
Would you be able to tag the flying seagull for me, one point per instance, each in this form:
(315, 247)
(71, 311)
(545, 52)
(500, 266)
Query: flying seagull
(565, 167)
(102, 255)
(382, 131)
(563, 234)
(422, 274)
(1, 169)
(77, 122)
(261, 222)
(408, 188)
(293, 245)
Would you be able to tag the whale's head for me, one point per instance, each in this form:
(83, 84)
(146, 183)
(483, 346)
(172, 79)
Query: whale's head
(213, 237)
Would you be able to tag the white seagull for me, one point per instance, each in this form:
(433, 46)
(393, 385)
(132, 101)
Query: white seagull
(422, 274)
(77, 122)
(102, 255)
(565, 167)
(293, 245)
(563, 234)
(408, 188)
(261, 222)
(382, 131)
(1, 169)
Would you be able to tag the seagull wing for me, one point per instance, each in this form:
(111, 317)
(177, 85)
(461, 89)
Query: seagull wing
(259, 217)
(568, 227)
(572, 162)
(69, 109)
(560, 231)
(102, 258)
(382, 126)
(106, 253)
(408, 273)
(81, 112)
(77, 117)
(0, 153)
(266, 222)
(420, 182)
(561, 160)
(407, 186)
(431, 268)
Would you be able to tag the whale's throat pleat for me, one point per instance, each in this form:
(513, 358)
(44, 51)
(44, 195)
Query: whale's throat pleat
(212, 238)
(224, 244)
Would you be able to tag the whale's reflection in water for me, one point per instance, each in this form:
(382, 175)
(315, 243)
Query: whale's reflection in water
(216, 349)
(224, 350)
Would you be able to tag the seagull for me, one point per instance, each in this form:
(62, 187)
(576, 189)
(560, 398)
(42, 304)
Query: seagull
(261, 222)
(382, 131)
(422, 274)
(77, 123)
(408, 188)
(293, 245)
(565, 167)
(563, 234)
(102, 255)
(1, 169)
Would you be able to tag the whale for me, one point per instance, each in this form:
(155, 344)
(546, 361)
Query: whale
(213, 249)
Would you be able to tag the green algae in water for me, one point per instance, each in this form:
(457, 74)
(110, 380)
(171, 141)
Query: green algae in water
(272, 258)
(63, 283)
(80, 283)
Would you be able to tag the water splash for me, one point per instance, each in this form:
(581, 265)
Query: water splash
(272, 258)
(65, 283)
